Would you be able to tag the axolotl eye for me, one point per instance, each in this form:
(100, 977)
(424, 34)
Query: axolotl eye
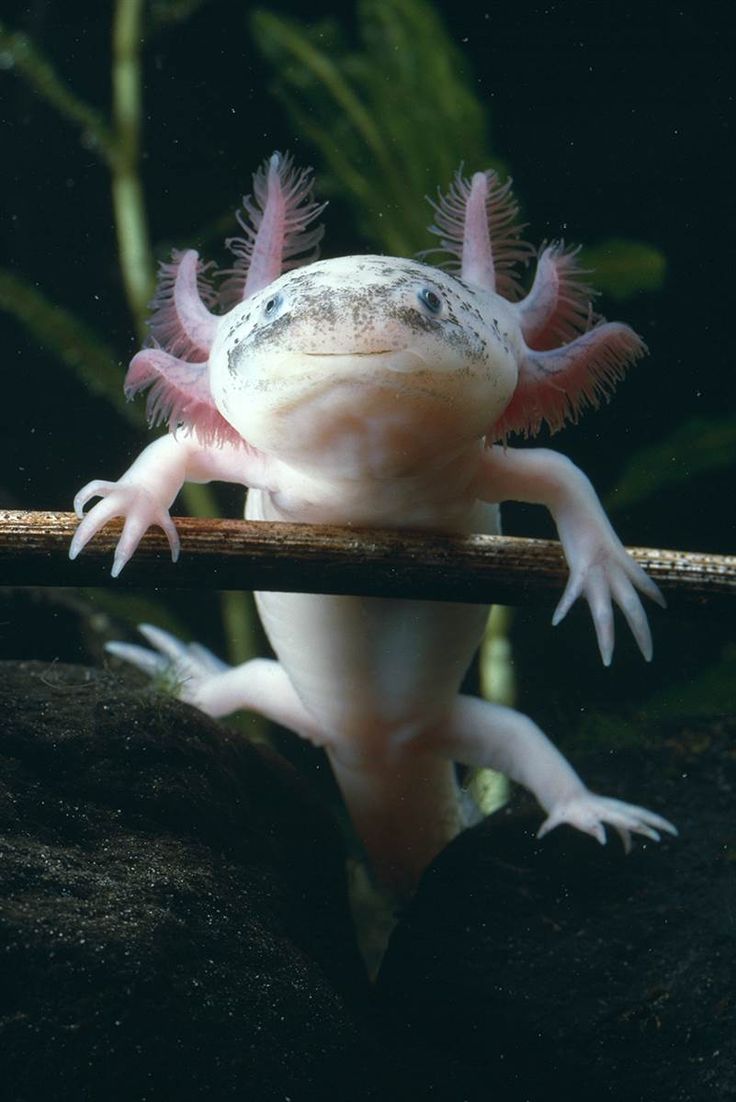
(430, 300)
(272, 305)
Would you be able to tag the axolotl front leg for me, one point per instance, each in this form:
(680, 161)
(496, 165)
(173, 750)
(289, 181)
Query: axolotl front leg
(601, 569)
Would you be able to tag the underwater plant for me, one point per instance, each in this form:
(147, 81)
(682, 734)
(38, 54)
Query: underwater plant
(372, 113)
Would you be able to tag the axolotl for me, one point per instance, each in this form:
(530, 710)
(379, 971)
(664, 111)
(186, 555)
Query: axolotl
(381, 391)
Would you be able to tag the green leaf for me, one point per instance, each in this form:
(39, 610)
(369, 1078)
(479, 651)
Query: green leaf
(622, 268)
(95, 364)
(694, 448)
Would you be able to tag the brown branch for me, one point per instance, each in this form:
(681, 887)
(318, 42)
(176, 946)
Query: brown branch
(236, 554)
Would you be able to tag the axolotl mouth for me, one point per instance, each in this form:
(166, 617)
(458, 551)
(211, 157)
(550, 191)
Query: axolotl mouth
(374, 352)
(402, 360)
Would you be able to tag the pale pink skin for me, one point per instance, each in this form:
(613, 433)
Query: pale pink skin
(339, 394)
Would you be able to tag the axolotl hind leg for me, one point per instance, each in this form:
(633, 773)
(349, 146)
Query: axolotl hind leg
(402, 799)
(479, 733)
(199, 678)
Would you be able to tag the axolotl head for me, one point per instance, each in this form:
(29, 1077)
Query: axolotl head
(364, 360)
(374, 364)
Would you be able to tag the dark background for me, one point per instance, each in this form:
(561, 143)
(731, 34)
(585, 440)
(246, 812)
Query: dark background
(614, 120)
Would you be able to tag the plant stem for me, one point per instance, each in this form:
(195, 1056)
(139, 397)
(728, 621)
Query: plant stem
(238, 622)
(127, 193)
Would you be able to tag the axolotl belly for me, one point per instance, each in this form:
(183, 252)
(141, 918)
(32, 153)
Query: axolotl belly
(379, 391)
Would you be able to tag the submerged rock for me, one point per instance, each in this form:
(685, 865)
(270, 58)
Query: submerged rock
(174, 924)
(173, 916)
(560, 969)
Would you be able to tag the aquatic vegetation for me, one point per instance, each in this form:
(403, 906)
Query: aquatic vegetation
(392, 119)
(372, 112)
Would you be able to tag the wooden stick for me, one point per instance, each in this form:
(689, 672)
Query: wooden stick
(238, 554)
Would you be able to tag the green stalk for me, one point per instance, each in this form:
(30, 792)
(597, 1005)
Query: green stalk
(136, 261)
(238, 621)
(490, 789)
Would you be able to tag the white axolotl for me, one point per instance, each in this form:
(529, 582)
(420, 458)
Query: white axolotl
(373, 390)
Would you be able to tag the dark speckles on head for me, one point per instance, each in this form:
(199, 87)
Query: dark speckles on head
(359, 341)
(268, 332)
(413, 319)
(232, 362)
(352, 303)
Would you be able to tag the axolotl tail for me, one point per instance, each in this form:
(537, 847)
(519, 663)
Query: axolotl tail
(405, 806)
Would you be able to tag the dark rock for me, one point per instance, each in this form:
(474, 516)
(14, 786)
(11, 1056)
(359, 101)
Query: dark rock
(563, 970)
(174, 924)
(174, 921)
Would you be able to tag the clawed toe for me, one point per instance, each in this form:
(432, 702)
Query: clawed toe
(143, 659)
(180, 668)
(591, 814)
